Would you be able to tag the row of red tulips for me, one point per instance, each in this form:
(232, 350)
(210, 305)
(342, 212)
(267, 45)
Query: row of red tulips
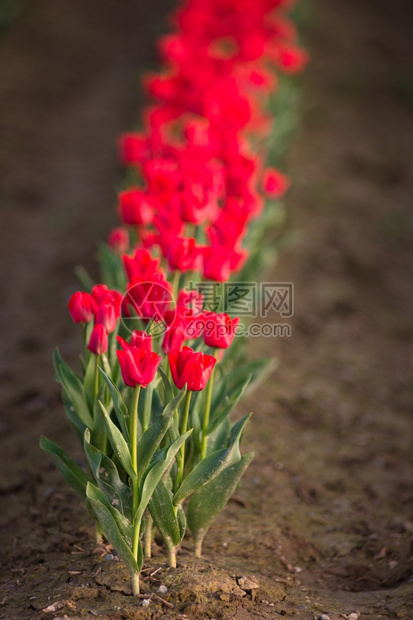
(198, 182)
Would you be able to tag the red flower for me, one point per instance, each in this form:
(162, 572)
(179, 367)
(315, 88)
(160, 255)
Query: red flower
(134, 207)
(141, 340)
(275, 183)
(191, 299)
(119, 240)
(133, 147)
(137, 363)
(102, 295)
(219, 330)
(81, 307)
(148, 299)
(106, 315)
(98, 343)
(220, 262)
(184, 254)
(191, 368)
(141, 265)
(174, 337)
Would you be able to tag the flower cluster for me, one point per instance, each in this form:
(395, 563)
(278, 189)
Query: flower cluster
(200, 181)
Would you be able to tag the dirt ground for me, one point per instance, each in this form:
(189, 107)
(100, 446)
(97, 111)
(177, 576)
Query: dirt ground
(324, 520)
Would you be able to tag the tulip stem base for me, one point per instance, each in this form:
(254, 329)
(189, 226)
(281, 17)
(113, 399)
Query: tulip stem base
(198, 547)
(135, 584)
(99, 534)
(172, 556)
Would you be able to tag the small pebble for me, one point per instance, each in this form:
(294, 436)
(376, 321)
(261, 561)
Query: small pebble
(145, 602)
(109, 556)
(162, 589)
(323, 617)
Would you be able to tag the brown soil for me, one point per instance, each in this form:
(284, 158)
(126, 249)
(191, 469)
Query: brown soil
(324, 520)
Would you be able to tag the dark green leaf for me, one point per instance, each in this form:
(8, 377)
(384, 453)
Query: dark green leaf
(115, 534)
(211, 466)
(107, 477)
(163, 514)
(156, 472)
(150, 440)
(118, 443)
(205, 505)
(73, 387)
(73, 474)
(121, 409)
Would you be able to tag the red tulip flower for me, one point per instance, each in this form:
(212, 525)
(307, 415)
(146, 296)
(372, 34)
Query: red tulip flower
(191, 368)
(275, 183)
(134, 207)
(139, 339)
(138, 365)
(219, 330)
(81, 307)
(184, 254)
(119, 240)
(106, 315)
(98, 343)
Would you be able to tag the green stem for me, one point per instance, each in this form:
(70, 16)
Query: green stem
(148, 537)
(184, 425)
(135, 542)
(96, 383)
(205, 423)
(175, 284)
(133, 429)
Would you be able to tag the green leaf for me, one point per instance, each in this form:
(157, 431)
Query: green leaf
(73, 387)
(226, 410)
(212, 465)
(218, 438)
(163, 514)
(121, 409)
(112, 271)
(150, 440)
(118, 443)
(156, 472)
(72, 416)
(169, 394)
(111, 528)
(107, 477)
(89, 382)
(84, 278)
(205, 505)
(145, 406)
(73, 474)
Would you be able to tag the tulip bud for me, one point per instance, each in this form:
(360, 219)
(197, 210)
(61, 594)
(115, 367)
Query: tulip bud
(134, 208)
(219, 330)
(81, 307)
(275, 183)
(98, 343)
(119, 240)
(105, 315)
(191, 368)
(183, 254)
(138, 364)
